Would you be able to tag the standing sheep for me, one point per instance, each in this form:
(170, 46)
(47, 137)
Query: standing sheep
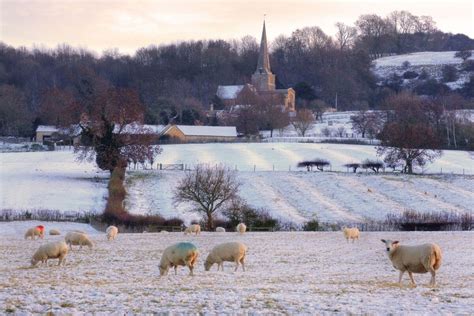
(195, 228)
(78, 239)
(53, 250)
(414, 259)
(220, 229)
(180, 254)
(34, 232)
(351, 233)
(241, 228)
(111, 232)
(229, 251)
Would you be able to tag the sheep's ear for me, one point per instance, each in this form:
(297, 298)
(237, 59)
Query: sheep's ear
(383, 240)
(395, 242)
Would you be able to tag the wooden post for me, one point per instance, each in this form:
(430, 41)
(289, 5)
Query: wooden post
(254, 168)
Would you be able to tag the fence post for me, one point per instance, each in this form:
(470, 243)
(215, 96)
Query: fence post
(289, 168)
(161, 166)
(273, 167)
(253, 168)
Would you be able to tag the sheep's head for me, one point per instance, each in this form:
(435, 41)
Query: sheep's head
(163, 270)
(207, 265)
(34, 262)
(390, 245)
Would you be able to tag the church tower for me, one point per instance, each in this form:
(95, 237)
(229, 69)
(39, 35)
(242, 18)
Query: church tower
(263, 79)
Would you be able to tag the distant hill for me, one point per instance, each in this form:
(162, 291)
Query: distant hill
(412, 69)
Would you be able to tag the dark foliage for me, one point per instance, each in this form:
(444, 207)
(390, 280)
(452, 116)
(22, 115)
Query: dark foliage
(410, 74)
(353, 166)
(373, 165)
(412, 220)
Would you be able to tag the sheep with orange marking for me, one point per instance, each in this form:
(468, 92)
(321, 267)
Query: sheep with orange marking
(34, 232)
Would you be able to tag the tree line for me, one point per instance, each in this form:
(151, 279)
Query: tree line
(176, 82)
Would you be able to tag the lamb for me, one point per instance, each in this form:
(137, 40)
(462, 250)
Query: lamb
(180, 254)
(53, 250)
(220, 229)
(111, 232)
(75, 238)
(414, 259)
(229, 251)
(241, 228)
(351, 233)
(195, 228)
(34, 232)
(54, 232)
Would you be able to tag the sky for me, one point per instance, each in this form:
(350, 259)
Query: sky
(127, 25)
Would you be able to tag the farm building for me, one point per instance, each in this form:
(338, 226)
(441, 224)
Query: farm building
(53, 133)
(198, 134)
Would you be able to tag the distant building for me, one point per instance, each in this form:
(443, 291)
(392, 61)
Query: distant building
(198, 134)
(263, 84)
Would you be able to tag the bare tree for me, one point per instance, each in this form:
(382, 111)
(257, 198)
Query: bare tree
(208, 189)
(326, 131)
(345, 36)
(303, 121)
(341, 131)
(367, 123)
(354, 166)
(374, 165)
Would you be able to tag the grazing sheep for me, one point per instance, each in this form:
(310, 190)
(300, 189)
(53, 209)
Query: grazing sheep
(229, 251)
(180, 254)
(241, 228)
(414, 259)
(54, 232)
(195, 228)
(75, 238)
(164, 232)
(34, 232)
(220, 229)
(53, 250)
(351, 233)
(111, 232)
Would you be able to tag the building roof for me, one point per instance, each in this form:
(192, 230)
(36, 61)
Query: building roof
(140, 129)
(47, 129)
(229, 92)
(223, 131)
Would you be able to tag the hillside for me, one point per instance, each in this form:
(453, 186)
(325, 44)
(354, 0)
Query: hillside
(430, 62)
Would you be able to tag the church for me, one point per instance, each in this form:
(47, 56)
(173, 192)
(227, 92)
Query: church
(263, 84)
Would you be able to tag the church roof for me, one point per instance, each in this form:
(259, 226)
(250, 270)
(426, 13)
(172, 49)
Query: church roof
(263, 65)
(229, 92)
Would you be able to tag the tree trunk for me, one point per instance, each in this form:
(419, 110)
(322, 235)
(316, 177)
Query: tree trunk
(409, 166)
(210, 222)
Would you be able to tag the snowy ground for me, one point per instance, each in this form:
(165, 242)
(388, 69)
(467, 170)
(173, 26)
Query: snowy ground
(291, 273)
(300, 196)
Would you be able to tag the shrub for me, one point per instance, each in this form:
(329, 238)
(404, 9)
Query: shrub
(411, 220)
(468, 65)
(312, 225)
(410, 74)
(406, 64)
(374, 165)
(353, 166)
(450, 73)
(424, 74)
(241, 212)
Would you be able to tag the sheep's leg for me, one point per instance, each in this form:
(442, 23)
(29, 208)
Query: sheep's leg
(242, 263)
(400, 277)
(236, 265)
(433, 277)
(175, 270)
(191, 268)
(411, 278)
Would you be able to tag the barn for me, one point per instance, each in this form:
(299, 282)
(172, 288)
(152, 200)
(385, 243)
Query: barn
(200, 134)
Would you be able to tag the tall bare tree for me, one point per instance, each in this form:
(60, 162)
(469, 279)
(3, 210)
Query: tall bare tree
(303, 121)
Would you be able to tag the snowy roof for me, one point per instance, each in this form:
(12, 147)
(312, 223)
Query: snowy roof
(140, 129)
(191, 130)
(228, 92)
(47, 129)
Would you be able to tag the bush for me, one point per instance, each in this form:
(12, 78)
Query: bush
(450, 73)
(406, 64)
(374, 165)
(410, 74)
(241, 212)
(411, 220)
(424, 75)
(312, 225)
(468, 65)
(353, 166)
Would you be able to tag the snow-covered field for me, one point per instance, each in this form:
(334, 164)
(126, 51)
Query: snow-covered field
(54, 180)
(287, 273)
(431, 62)
(330, 197)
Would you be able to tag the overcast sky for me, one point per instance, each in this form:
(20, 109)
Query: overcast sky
(127, 25)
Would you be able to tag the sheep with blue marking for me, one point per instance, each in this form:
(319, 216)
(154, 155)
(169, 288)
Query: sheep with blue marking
(180, 254)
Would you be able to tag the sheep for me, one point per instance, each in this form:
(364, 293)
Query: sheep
(195, 228)
(229, 251)
(220, 229)
(111, 232)
(54, 232)
(369, 190)
(75, 238)
(351, 233)
(53, 250)
(414, 259)
(241, 228)
(164, 232)
(34, 232)
(180, 254)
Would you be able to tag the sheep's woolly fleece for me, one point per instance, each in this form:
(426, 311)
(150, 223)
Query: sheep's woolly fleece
(287, 272)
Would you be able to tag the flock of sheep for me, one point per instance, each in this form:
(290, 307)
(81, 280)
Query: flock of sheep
(412, 259)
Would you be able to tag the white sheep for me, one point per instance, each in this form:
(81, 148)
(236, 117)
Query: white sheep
(220, 229)
(34, 232)
(54, 232)
(351, 233)
(414, 259)
(229, 251)
(164, 232)
(195, 228)
(78, 239)
(53, 250)
(241, 228)
(180, 254)
(111, 232)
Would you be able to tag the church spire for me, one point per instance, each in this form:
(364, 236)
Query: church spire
(263, 65)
